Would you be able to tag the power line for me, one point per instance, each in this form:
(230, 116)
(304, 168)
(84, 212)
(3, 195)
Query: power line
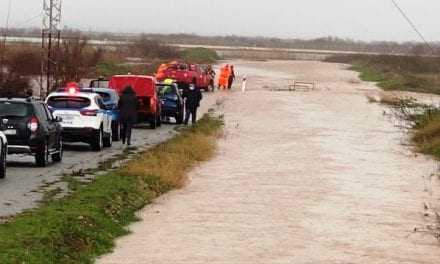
(413, 26)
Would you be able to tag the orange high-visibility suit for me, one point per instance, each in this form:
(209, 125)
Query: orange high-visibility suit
(161, 69)
(223, 80)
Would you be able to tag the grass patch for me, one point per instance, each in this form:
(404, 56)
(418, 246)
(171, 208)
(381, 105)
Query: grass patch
(403, 73)
(427, 132)
(200, 55)
(82, 226)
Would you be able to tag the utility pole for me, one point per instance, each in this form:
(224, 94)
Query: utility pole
(50, 44)
(3, 43)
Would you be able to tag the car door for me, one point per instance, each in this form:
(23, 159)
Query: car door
(107, 121)
(48, 125)
(55, 128)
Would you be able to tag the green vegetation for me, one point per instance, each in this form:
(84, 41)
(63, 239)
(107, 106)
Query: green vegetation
(110, 68)
(200, 55)
(404, 73)
(82, 226)
(427, 132)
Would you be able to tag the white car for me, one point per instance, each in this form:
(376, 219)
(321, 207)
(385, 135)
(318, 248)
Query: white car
(3, 154)
(84, 117)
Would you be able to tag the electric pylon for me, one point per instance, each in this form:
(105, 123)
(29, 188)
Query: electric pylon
(51, 40)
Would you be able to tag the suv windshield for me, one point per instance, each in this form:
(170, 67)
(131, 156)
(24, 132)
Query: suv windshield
(13, 109)
(106, 97)
(166, 90)
(99, 84)
(68, 102)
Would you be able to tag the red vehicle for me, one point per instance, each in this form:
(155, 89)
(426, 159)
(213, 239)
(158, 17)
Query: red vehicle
(185, 74)
(146, 91)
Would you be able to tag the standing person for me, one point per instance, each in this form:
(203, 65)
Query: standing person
(192, 97)
(224, 77)
(243, 84)
(128, 105)
(231, 77)
(210, 71)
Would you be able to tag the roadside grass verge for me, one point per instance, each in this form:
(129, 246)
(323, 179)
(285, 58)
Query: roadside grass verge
(82, 226)
(427, 132)
(423, 120)
(403, 73)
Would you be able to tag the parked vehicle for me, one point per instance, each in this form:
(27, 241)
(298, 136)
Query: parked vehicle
(99, 83)
(31, 129)
(149, 107)
(185, 74)
(172, 101)
(84, 117)
(111, 102)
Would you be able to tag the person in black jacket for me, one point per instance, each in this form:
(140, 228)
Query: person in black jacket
(128, 106)
(192, 97)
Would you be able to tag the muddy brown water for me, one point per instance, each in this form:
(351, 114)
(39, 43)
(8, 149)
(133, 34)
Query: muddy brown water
(304, 177)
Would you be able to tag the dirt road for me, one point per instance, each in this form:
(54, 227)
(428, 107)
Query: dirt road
(303, 177)
(26, 185)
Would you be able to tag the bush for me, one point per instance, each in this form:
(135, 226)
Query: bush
(200, 55)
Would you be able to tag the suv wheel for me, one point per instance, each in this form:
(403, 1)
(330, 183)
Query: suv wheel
(108, 141)
(3, 162)
(153, 123)
(159, 120)
(42, 156)
(98, 141)
(116, 131)
(58, 157)
(179, 118)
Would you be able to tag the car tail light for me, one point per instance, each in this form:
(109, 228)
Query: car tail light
(89, 112)
(33, 124)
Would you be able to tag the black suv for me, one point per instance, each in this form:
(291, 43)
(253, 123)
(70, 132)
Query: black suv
(31, 129)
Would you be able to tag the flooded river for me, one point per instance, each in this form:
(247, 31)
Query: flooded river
(300, 177)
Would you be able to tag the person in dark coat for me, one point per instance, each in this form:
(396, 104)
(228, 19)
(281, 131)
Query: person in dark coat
(192, 97)
(128, 106)
(231, 77)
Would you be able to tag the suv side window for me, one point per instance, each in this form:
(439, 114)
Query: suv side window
(48, 113)
(100, 102)
(41, 113)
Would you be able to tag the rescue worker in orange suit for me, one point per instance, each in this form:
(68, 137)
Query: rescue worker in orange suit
(223, 81)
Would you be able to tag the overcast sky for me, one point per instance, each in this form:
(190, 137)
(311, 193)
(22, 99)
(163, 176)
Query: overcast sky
(356, 19)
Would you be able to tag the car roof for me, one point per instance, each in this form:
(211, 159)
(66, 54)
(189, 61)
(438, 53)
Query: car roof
(104, 90)
(78, 94)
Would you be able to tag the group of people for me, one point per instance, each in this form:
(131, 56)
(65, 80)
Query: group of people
(128, 107)
(227, 77)
(192, 97)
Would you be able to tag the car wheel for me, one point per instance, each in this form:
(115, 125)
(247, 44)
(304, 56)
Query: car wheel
(179, 118)
(42, 156)
(153, 123)
(3, 158)
(98, 141)
(117, 132)
(58, 157)
(159, 121)
(108, 141)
